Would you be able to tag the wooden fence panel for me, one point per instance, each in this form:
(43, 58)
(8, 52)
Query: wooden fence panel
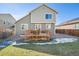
(73, 32)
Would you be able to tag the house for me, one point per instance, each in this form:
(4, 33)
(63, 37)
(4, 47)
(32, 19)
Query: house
(42, 18)
(70, 24)
(7, 21)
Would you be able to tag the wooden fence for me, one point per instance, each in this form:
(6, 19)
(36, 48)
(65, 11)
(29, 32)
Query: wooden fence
(73, 32)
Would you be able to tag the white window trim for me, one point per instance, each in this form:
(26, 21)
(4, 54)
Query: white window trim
(37, 26)
(48, 26)
(24, 25)
(49, 13)
(76, 26)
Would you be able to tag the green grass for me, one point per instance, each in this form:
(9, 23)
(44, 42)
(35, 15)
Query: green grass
(1, 40)
(66, 49)
(15, 51)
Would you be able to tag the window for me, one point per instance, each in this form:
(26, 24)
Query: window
(48, 26)
(7, 22)
(4, 22)
(77, 26)
(48, 16)
(24, 26)
(37, 26)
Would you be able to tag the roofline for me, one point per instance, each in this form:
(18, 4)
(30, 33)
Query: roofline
(51, 8)
(22, 18)
(34, 10)
(13, 17)
(8, 14)
(44, 23)
(65, 22)
(45, 6)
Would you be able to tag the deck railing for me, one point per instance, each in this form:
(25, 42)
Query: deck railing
(36, 35)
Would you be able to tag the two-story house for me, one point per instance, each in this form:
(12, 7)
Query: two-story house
(42, 18)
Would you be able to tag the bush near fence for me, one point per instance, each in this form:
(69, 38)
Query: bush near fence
(73, 32)
(5, 33)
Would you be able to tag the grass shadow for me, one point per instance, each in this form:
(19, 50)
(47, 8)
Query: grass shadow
(64, 49)
(48, 49)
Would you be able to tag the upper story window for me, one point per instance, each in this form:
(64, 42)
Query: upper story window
(48, 16)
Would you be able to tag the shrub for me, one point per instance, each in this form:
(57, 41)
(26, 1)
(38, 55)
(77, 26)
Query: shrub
(4, 35)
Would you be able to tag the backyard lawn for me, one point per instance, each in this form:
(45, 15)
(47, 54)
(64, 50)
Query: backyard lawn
(1, 40)
(41, 50)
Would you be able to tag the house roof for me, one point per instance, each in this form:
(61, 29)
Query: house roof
(45, 6)
(36, 9)
(3, 15)
(72, 21)
(22, 18)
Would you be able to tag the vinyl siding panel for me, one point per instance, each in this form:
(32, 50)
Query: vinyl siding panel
(38, 16)
(25, 20)
(72, 26)
(7, 20)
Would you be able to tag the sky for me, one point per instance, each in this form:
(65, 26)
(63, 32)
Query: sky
(66, 11)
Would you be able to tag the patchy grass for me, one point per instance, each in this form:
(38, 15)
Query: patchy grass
(1, 40)
(66, 49)
(15, 51)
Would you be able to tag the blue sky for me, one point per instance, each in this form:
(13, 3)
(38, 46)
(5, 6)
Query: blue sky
(65, 11)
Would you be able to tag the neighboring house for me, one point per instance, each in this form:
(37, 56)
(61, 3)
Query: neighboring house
(70, 24)
(43, 18)
(7, 21)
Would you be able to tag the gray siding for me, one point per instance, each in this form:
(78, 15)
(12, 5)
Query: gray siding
(7, 20)
(25, 20)
(38, 15)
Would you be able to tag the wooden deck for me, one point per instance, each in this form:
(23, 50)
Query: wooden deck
(36, 35)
